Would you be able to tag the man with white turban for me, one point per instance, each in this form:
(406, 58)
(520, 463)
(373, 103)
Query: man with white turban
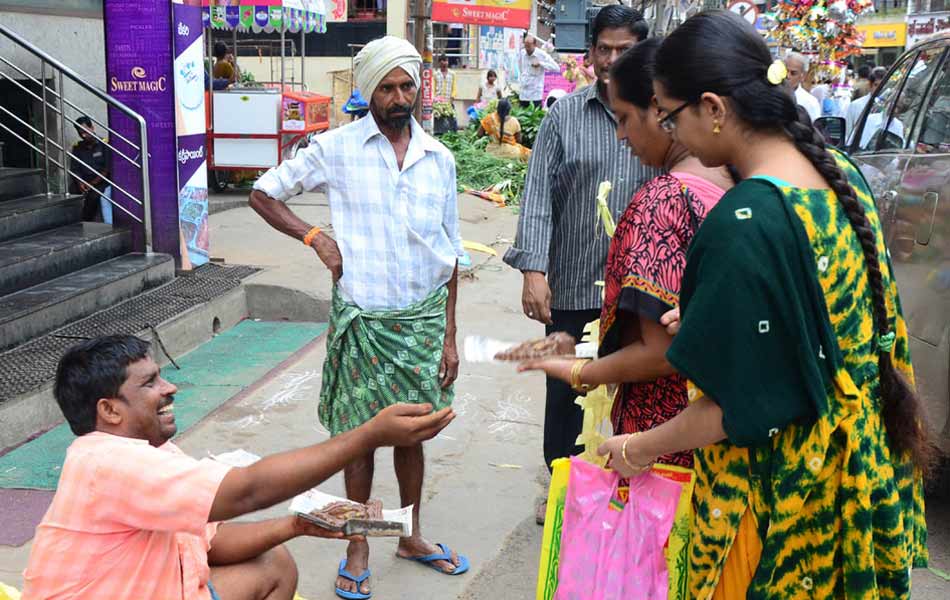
(393, 260)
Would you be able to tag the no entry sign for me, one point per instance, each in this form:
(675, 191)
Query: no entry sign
(746, 10)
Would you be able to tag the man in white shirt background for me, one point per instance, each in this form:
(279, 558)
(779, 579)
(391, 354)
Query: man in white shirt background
(857, 106)
(533, 64)
(394, 260)
(797, 66)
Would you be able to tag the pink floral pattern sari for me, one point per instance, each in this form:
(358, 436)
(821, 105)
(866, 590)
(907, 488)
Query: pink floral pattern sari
(644, 267)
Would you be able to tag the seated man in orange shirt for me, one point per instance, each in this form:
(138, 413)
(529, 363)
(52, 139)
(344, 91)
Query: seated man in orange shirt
(134, 517)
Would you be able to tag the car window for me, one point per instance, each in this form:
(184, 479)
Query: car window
(881, 104)
(935, 127)
(895, 106)
(910, 103)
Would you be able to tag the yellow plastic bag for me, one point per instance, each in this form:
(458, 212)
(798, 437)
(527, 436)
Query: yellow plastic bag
(553, 521)
(8, 593)
(677, 547)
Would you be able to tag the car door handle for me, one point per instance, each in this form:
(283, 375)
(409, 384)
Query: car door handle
(925, 229)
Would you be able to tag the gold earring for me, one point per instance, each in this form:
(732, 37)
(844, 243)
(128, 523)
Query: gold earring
(716, 128)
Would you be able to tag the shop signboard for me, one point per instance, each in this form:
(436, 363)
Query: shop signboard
(139, 73)
(190, 128)
(920, 27)
(884, 35)
(507, 13)
(155, 66)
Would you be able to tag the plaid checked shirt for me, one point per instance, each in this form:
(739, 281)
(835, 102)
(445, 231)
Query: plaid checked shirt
(127, 521)
(398, 231)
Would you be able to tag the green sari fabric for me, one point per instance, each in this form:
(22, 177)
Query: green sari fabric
(378, 358)
(777, 329)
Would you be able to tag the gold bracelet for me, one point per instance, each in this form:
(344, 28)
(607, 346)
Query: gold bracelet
(623, 451)
(576, 384)
(308, 238)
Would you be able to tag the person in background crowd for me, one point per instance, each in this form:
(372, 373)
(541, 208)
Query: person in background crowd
(504, 133)
(91, 163)
(225, 65)
(646, 260)
(444, 80)
(135, 517)
(874, 78)
(560, 246)
(394, 263)
(810, 444)
(533, 63)
(797, 66)
(577, 74)
(821, 90)
(588, 67)
(490, 90)
(863, 84)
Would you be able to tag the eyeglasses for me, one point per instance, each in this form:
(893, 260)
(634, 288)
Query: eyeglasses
(668, 123)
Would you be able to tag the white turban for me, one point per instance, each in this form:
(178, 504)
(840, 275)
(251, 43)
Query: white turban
(381, 56)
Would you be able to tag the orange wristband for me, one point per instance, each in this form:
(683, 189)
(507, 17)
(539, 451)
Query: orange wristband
(308, 239)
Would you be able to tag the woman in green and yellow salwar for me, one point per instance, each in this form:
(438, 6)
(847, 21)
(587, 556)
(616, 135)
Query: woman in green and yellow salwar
(810, 447)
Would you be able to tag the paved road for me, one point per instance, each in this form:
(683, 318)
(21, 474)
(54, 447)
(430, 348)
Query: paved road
(484, 472)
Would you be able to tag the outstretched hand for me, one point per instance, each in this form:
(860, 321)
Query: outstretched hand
(409, 424)
(556, 368)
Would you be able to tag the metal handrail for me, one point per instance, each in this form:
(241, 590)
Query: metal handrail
(66, 72)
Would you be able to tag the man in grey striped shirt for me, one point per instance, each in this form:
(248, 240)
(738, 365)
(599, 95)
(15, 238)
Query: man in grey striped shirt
(561, 246)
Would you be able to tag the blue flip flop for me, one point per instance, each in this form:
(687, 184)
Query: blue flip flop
(446, 555)
(357, 595)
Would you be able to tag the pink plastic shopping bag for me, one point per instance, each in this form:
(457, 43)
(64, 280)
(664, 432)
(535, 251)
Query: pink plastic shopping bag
(609, 550)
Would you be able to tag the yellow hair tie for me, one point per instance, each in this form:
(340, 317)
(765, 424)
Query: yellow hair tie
(777, 72)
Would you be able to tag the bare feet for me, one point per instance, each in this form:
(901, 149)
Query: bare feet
(357, 561)
(415, 546)
(541, 513)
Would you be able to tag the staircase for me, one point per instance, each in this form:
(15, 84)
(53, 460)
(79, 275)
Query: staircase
(55, 269)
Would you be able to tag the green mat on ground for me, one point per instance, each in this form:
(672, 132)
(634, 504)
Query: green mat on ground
(209, 376)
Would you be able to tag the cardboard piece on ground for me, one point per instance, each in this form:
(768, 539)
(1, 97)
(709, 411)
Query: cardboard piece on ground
(395, 523)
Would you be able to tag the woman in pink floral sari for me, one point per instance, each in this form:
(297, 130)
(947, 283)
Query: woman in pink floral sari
(646, 259)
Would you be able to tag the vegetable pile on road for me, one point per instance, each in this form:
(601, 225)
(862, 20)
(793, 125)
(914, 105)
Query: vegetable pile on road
(499, 179)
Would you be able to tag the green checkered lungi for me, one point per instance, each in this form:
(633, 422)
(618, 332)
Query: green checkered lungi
(378, 358)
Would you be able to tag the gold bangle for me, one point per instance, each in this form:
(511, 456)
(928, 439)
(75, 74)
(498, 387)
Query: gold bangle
(308, 238)
(623, 451)
(576, 384)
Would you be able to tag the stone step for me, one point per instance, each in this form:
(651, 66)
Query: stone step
(27, 261)
(32, 214)
(17, 183)
(37, 310)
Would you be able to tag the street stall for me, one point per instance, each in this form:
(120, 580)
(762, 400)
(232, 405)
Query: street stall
(256, 125)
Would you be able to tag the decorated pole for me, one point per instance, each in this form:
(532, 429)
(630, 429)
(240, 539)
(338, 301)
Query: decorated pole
(826, 29)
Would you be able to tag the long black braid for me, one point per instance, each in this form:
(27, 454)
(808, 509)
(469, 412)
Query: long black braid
(717, 51)
(901, 407)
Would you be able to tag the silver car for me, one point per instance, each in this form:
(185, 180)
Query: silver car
(902, 144)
